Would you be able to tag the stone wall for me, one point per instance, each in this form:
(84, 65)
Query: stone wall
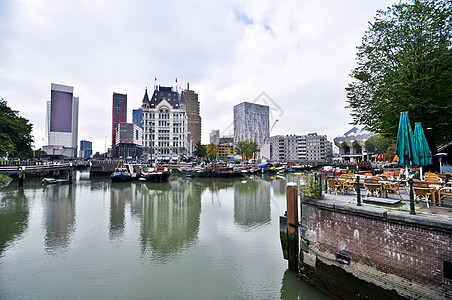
(392, 253)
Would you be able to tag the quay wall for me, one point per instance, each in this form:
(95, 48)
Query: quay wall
(391, 253)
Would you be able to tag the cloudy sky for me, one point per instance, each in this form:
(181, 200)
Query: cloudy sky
(296, 56)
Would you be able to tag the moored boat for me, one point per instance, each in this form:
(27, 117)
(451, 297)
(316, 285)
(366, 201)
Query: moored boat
(226, 172)
(121, 174)
(156, 174)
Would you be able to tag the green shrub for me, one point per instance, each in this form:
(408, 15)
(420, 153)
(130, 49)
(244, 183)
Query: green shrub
(4, 179)
(309, 186)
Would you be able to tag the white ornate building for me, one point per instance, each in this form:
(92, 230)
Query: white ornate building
(164, 125)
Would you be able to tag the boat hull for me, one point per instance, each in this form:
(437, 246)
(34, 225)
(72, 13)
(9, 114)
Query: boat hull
(121, 177)
(157, 176)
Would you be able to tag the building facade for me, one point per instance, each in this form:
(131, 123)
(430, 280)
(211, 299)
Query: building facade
(225, 152)
(137, 117)
(252, 122)
(62, 122)
(119, 115)
(129, 140)
(310, 148)
(352, 145)
(86, 149)
(192, 108)
(215, 137)
(164, 125)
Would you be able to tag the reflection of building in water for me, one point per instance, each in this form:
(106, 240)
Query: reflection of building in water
(252, 203)
(119, 193)
(169, 217)
(279, 185)
(59, 214)
(13, 216)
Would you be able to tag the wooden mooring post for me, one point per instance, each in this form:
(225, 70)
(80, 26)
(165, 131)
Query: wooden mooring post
(21, 176)
(292, 225)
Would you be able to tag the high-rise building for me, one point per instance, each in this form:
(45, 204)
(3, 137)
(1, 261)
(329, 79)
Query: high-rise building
(252, 122)
(86, 149)
(193, 115)
(137, 117)
(164, 125)
(119, 115)
(215, 137)
(310, 148)
(62, 122)
(129, 140)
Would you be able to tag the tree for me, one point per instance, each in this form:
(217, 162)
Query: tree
(97, 155)
(377, 144)
(246, 149)
(15, 133)
(200, 150)
(38, 153)
(211, 151)
(405, 64)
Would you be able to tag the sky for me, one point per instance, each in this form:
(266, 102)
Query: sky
(295, 56)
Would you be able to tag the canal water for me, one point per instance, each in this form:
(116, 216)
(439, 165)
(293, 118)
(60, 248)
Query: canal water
(189, 238)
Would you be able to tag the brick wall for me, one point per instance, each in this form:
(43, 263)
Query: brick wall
(391, 249)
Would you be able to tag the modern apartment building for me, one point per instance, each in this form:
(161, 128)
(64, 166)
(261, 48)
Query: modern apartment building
(164, 125)
(193, 115)
(119, 115)
(128, 140)
(61, 122)
(86, 149)
(252, 122)
(310, 148)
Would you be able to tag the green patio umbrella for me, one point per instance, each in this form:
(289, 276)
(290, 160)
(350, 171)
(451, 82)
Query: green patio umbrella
(405, 148)
(422, 148)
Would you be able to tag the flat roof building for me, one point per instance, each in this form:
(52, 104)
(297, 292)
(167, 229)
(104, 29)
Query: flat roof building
(62, 122)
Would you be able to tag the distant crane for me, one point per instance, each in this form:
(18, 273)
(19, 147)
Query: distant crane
(266, 136)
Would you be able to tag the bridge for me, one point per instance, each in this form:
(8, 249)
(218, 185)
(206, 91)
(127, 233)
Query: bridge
(14, 170)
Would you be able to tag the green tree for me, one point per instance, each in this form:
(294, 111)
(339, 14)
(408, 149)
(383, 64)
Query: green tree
(390, 153)
(246, 149)
(38, 153)
(405, 64)
(97, 155)
(211, 151)
(200, 151)
(377, 144)
(15, 133)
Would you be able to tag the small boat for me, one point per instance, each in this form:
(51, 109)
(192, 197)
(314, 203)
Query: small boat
(121, 174)
(54, 181)
(156, 174)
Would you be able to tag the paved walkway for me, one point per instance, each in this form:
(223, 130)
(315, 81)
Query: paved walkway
(404, 205)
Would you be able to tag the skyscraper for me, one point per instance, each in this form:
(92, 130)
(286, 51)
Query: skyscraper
(137, 117)
(119, 115)
(193, 115)
(86, 149)
(62, 122)
(251, 122)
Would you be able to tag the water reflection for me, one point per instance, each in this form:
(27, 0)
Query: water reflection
(59, 212)
(119, 193)
(169, 215)
(252, 203)
(13, 216)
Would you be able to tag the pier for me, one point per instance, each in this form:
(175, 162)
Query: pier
(358, 250)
